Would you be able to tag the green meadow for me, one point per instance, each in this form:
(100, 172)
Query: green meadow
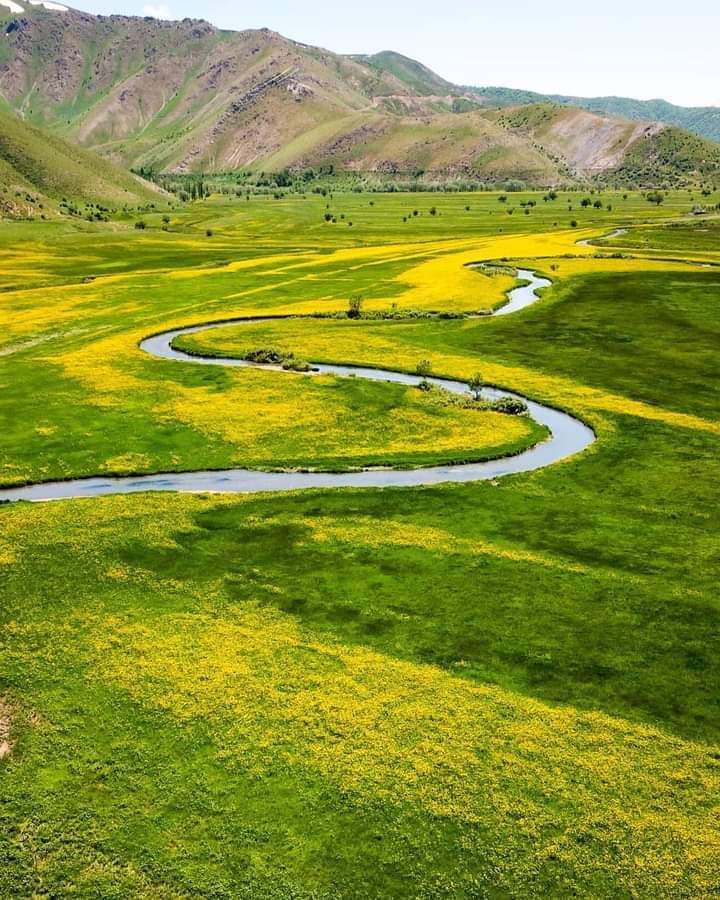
(501, 689)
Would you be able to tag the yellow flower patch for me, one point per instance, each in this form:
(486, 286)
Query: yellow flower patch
(126, 463)
(535, 777)
(365, 531)
(98, 367)
(379, 346)
(264, 412)
(39, 311)
(567, 268)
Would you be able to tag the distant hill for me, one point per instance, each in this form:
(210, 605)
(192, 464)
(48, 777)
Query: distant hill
(414, 75)
(701, 120)
(612, 150)
(35, 162)
(187, 97)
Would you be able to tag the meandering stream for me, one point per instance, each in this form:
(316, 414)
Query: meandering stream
(568, 435)
(598, 241)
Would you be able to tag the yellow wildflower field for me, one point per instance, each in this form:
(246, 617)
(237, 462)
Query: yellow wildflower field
(498, 688)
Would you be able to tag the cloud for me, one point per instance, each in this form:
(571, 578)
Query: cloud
(161, 11)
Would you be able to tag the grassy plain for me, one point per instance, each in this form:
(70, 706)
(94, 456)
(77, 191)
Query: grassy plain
(501, 689)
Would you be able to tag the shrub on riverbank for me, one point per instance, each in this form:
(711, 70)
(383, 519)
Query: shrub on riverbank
(510, 406)
(271, 356)
(266, 356)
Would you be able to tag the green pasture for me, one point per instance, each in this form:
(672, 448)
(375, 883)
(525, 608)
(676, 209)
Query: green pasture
(503, 689)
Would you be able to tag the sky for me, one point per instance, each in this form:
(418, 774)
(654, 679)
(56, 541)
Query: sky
(630, 48)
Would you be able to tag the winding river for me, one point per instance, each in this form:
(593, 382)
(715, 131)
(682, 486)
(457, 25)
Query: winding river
(598, 241)
(568, 435)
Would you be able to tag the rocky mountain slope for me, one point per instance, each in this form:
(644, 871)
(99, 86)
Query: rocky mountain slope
(703, 121)
(185, 96)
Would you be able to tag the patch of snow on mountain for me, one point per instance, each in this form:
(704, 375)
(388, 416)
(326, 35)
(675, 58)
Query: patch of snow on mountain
(12, 6)
(57, 7)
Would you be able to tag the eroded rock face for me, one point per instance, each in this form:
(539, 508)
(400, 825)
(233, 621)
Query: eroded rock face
(15, 209)
(298, 90)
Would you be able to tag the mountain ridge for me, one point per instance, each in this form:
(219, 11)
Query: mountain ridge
(188, 97)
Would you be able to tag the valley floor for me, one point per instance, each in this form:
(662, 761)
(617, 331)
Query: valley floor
(507, 688)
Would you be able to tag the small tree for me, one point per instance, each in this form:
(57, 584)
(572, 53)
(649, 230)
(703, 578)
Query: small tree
(354, 306)
(423, 368)
(655, 197)
(476, 384)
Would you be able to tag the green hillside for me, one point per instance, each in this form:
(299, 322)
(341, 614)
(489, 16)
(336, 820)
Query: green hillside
(412, 74)
(34, 160)
(671, 156)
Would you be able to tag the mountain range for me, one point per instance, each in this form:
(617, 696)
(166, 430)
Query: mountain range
(187, 97)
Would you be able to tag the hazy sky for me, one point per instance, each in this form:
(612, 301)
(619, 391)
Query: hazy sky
(636, 48)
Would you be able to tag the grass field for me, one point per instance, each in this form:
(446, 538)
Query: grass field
(499, 689)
